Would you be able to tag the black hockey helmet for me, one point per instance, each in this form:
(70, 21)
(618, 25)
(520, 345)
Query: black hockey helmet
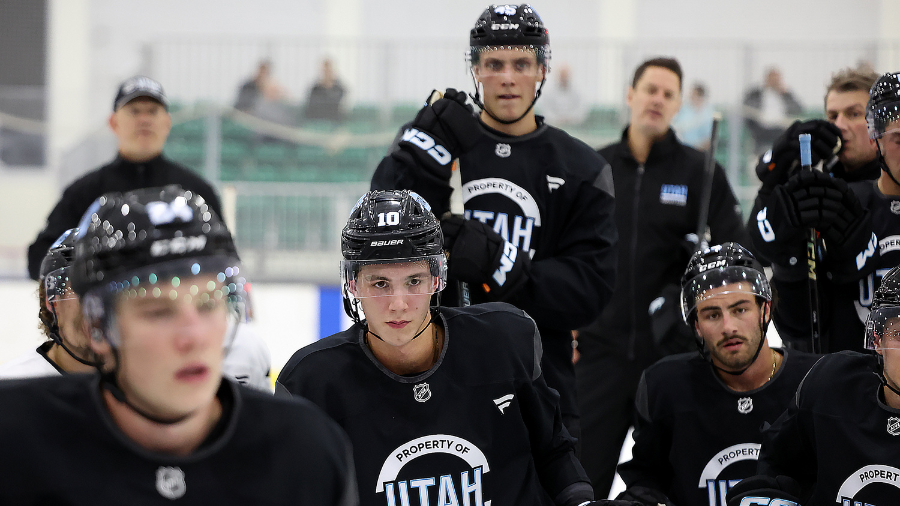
(884, 314)
(883, 108)
(148, 243)
(385, 227)
(718, 266)
(54, 273)
(509, 25)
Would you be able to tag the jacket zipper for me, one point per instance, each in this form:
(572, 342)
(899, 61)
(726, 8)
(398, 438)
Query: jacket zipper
(633, 254)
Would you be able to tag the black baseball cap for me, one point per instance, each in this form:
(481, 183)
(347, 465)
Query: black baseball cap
(139, 86)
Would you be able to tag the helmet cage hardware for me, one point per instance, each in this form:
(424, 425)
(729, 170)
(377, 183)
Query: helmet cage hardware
(207, 283)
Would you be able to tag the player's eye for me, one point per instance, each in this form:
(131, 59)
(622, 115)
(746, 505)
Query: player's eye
(496, 66)
(415, 281)
(380, 284)
(208, 306)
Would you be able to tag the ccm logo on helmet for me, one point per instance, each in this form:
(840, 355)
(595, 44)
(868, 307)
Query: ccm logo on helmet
(392, 242)
(505, 26)
(424, 141)
(177, 246)
(765, 501)
(712, 265)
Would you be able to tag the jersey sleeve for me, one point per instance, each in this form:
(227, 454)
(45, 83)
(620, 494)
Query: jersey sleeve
(787, 447)
(649, 465)
(553, 449)
(570, 287)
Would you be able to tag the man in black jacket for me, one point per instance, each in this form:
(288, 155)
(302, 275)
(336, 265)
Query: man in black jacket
(141, 123)
(779, 237)
(658, 184)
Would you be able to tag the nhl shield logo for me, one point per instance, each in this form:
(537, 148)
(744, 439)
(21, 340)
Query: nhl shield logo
(503, 150)
(895, 206)
(745, 405)
(422, 392)
(893, 426)
(170, 482)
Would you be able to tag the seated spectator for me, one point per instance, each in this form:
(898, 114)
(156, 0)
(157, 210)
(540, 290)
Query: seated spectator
(324, 101)
(693, 124)
(260, 88)
(769, 109)
(562, 105)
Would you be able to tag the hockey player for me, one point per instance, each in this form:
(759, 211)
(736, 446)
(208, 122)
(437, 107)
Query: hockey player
(443, 405)
(159, 280)
(67, 348)
(658, 186)
(779, 233)
(140, 121)
(539, 232)
(698, 416)
(838, 437)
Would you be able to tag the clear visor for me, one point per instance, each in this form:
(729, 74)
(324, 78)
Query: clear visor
(883, 329)
(57, 287)
(722, 281)
(363, 279)
(883, 120)
(209, 290)
(527, 60)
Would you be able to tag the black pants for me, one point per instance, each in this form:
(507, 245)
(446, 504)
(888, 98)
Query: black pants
(606, 384)
(559, 373)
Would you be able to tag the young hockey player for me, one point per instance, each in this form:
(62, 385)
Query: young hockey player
(158, 278)
(67, 348)
(539, 232)
(837, 441)
(697, 429)
(779, 232)
(444, 406)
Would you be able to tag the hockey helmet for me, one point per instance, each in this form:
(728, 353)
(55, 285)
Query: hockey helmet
(883, 109)
(719, 266)
(390, 227)
(54, 272)
(153, 243)
(509, 26)
(883, 322)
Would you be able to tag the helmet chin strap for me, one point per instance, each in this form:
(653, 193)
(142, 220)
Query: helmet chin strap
(57, 338)
(477, 99)
(430, 319)
(883, 163)
(879, 371)
(108, 381)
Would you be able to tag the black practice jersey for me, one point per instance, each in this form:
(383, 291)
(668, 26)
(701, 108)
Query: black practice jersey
(694, 436)
(838, 438)
(61, 447)
(550, 195)
(481, 425)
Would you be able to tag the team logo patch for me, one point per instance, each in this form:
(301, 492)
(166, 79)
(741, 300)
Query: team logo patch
(503, 150)
(170, 482)
(745, 405)
(422, 392)
(895, 206)
(673, 194)
(893, 426)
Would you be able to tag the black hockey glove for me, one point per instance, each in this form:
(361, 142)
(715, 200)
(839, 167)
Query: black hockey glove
(780, 491)
(441, 132)
(645, 496)
(777, 165)
(825, 203)
(481, 257)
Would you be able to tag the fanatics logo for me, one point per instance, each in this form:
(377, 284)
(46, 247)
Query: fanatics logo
(893, 426)
(503, 150)
(170, 482)
(745, 405)
(422, 392)
(503, 402)
(554, 182)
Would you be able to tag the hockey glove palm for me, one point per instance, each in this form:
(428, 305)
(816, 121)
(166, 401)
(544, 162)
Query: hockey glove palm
(817, 200)
(761, 489)
(777, 165)
(481, 257)
(441, 132)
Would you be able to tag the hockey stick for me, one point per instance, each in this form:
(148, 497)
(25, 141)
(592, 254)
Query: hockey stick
(456, 208)
(706, 195)
(811, 254)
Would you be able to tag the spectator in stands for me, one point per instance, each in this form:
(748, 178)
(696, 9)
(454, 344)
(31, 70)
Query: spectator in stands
(263, 97)
(694, 122)
(769, 109)
(324, 101)
(141, 123)
(562, 105)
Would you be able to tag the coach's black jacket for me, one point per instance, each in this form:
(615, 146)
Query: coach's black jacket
(118, 176)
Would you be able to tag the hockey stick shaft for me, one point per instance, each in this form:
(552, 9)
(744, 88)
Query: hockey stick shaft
(456, 207)
(811, 256)
(709, 171)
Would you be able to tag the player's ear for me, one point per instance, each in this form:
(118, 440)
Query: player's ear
(629, 96)
(113, 122)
